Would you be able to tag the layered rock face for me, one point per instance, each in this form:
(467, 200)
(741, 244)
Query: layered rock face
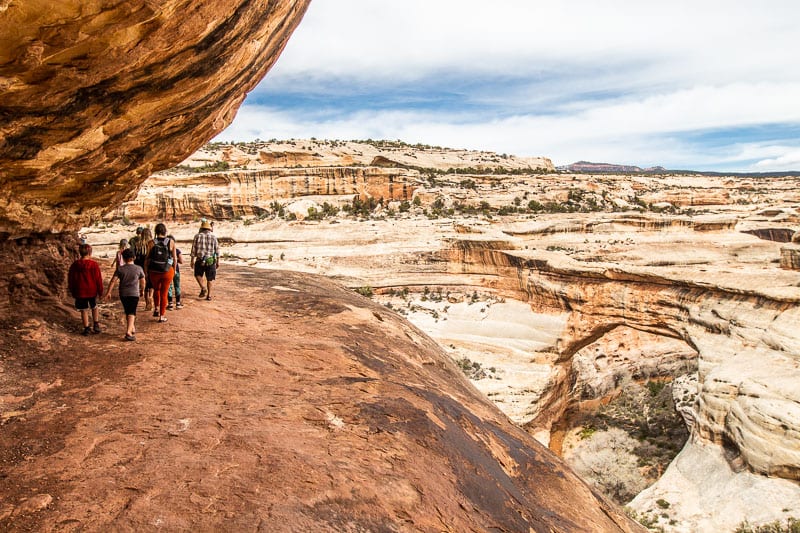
(746, 342)
(98, 95)
(250, 192)
(235, 180)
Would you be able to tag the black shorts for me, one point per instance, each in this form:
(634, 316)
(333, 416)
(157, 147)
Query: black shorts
(202, 269)
(82, 304)
(129, 304)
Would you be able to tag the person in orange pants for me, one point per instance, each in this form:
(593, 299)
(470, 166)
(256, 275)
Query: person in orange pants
(160, 268)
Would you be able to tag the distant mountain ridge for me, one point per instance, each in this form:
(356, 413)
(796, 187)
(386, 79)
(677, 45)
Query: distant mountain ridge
(587, 166)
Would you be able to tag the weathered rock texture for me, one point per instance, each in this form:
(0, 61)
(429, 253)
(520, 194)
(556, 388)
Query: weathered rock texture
(746, 340)
(260, 173)
(98, 95)
(308, 409)
(241, 193)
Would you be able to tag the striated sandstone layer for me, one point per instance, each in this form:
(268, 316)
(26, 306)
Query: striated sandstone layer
(748, 348)
(98, 95)
(308, 409)
(241, 193)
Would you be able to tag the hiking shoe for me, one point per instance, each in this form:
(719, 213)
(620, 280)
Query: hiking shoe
(96, 327)
(162, 319)
(208, 298)
(178, 305)
(130, 337)
(155, 313)
(170, 306)
(87, 331)
(202, 293)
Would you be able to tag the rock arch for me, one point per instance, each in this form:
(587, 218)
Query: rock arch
(742, 402)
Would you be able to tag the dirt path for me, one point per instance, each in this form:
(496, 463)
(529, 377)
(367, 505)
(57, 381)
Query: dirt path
(286, 403)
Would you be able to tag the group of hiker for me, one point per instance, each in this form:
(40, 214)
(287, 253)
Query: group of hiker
(146, 266)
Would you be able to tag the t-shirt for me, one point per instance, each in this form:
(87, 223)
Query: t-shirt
(129, 276)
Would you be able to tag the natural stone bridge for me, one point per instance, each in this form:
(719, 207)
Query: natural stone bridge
(747, 340)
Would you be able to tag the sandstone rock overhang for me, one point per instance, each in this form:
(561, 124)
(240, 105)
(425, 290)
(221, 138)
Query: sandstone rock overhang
(98, 95)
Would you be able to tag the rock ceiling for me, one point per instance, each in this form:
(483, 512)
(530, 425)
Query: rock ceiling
(98, 95)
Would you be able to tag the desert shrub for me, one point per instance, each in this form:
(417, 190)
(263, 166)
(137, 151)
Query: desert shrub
(792, 525)
(366, 290)
(473, 369)
(606, 461)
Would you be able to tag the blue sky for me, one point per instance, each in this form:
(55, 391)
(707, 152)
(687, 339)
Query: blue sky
(702, 84)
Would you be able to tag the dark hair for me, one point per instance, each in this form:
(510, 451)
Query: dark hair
(128, 254)
(161, 229)
(85, 249)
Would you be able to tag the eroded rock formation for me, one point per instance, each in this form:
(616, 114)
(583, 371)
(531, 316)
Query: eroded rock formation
(746, 342)
(98, 95)
(241, 193)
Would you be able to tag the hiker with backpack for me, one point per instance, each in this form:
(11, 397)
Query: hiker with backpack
(160, 269)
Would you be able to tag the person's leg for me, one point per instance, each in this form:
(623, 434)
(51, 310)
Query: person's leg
(211, 275)
(163, 289)
(95, 317)
(199, 271)
(154, 279)
(148, 294)
(82, 305)
(176, 283)
(170, 293)
(129, 304)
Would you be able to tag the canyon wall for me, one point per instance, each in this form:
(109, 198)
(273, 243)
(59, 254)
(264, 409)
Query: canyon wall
(98, 95)
(746, 340)
(240, 193)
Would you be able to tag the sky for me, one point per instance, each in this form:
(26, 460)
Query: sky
(701, 84)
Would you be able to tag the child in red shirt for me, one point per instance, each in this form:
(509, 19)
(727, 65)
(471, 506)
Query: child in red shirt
(85, 283)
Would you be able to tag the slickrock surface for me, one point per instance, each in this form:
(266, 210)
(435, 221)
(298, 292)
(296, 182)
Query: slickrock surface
(98, 95)
(286, 404)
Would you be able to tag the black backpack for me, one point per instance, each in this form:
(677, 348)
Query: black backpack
(160, 255)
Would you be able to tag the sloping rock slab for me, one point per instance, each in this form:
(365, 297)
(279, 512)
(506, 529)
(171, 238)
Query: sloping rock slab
(285, 404)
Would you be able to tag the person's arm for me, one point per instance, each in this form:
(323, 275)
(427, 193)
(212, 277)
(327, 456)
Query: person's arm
(142, 285)
(216, 251)
(146, 265)
(173, 252)
(179, 255)
(193, 252)
(110, 286)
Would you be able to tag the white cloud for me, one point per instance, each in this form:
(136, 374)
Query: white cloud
(620, 80)
(368, 39)
(637, 131)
